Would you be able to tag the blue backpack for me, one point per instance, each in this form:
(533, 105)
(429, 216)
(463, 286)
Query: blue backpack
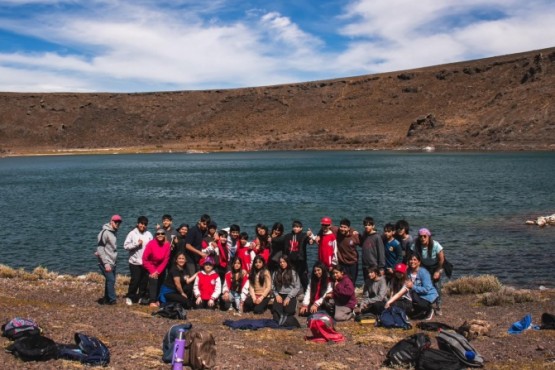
(87, 350)
(394, 317)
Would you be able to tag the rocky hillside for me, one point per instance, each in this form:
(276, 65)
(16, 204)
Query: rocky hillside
(501, 103)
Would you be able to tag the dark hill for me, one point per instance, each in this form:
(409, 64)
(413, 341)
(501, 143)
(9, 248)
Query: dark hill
(500, 103)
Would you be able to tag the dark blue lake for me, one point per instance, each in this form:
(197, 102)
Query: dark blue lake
(474, 203)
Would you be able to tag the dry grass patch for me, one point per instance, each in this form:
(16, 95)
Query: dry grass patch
(473, 285)
(508, 296)
(94, 277)
(43, 273)
(7, 272)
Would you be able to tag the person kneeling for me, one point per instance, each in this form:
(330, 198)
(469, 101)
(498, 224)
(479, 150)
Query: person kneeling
(208, 287)
(342, 300)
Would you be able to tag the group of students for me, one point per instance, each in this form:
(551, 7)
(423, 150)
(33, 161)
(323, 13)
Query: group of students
(207, 267)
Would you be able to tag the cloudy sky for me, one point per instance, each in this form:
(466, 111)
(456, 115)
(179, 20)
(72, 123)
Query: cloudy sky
(158, 45)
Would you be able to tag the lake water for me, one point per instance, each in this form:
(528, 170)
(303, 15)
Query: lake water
(475, 204)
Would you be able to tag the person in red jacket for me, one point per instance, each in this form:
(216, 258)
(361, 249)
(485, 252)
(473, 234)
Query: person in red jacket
(244, 251)
(155, 260)
(261, 243)
(208, 286)
(327, 244)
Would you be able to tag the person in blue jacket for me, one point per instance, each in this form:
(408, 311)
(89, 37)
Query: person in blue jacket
(422, 290)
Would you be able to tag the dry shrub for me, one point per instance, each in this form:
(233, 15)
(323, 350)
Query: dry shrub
(27, 276)
(509, 296)
(473, 285)
(123, 279)
(43, 273)
(94, 277)
(7, 272)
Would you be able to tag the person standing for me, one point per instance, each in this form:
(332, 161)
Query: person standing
(135, 243)
(107, 254)
(295, 250)
(167, 226)
(327, 244)
(347, 254)
(193, 245)
(373, 253)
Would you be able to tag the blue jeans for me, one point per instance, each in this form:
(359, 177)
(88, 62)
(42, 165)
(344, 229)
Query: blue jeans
(110, 283)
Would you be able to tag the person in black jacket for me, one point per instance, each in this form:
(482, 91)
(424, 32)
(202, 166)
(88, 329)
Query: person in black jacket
(295, 249)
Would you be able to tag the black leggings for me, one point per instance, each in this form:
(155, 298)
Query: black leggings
(256, 308)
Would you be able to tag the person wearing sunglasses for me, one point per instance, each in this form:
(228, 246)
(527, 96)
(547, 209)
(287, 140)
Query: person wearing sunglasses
(155, 260)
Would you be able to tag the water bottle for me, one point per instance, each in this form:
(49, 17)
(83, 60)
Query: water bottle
(178, 350)
(470, 355)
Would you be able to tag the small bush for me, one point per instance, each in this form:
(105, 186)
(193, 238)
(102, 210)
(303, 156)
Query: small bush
(94, 277)
(7, 272)
(43, 273)
(473, 285)
(27, 276)
(508, 296)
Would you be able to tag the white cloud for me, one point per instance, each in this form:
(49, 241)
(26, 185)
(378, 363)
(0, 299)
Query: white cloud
(113, 45)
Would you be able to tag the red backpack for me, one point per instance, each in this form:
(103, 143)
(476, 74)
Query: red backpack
(321, 329)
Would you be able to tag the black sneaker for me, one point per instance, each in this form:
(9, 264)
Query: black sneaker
(101, 300)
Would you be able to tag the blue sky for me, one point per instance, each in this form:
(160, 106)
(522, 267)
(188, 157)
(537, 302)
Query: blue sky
(140, 45)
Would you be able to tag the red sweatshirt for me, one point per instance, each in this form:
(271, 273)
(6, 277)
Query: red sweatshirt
(207, 286)
(327, 250)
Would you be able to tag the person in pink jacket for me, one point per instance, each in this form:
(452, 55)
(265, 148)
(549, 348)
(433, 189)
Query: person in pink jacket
(155, 260)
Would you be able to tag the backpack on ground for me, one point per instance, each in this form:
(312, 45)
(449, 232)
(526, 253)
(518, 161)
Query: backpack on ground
(451, 341)
(406, 351)
(321, 327)
(172, 310)
(366, 318)
(169, 340)
(34, 348)
(433, 326)
(87, 350)
(436, 359)
(548, 321)
(19, 327)
(394, 317)
(200, 349)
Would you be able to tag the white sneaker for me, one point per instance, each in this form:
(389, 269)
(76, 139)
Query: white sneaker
(128, 301)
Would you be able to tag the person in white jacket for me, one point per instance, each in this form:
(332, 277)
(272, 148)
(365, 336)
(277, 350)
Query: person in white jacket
(317, 289)
(135, 243)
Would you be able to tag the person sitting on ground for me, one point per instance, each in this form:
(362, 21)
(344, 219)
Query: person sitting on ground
(155, 260)
(285, 285)
(208, 286)
(235, 287)
(423, 292)
(342, 300)
(260, 286)
(178, 286)
(374, 294)
(399, 294)
(317, 290)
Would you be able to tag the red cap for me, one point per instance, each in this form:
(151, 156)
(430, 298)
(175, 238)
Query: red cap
(401, 267)
(116, 218)
(325, 221)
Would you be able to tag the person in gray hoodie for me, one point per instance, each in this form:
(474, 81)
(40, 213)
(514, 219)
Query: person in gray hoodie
(135, 244)
(107, 254)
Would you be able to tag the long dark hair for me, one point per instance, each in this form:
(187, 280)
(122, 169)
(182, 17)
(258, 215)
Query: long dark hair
(236, 275)
(262, 239)
(259, 272)
(283, 277)
(315, 281)
(396, 282)
(418, 246)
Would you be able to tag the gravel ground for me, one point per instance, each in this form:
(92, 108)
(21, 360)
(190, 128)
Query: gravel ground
(65, 306)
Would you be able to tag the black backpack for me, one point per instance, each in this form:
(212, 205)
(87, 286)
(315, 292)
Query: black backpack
(169, 340)
(435, 359)
(172, 310)
(548, 321)
(433, 326)
(87, 350)
(451, 341)
(34, 348)
(406, 351)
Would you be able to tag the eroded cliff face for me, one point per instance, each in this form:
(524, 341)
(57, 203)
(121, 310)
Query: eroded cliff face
(501, 103)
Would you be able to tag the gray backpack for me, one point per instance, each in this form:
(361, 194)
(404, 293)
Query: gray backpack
(451, 341)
